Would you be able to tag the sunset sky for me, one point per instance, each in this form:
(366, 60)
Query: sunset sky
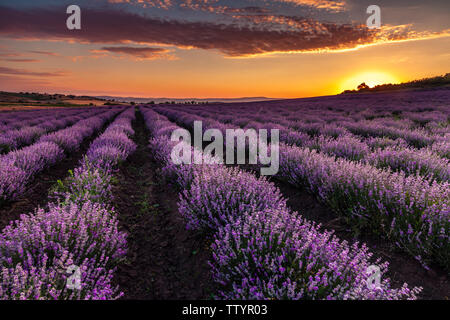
(215, 48)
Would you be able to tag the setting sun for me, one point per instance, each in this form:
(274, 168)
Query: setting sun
(371, 78)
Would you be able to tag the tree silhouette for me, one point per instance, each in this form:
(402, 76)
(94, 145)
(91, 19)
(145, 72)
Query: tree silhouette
(363, 86)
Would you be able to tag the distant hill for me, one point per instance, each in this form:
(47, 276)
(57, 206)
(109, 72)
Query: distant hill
(19, 99)
(184, 100)
(425, 83)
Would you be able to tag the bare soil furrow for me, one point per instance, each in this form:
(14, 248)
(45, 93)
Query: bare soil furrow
(164, 261)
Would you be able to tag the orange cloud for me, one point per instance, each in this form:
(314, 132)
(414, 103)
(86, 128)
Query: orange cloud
(212, 5)
(333, 5)
(140, 53)
(164, 4)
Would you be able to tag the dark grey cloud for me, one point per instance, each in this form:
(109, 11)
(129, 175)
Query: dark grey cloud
(233, 39)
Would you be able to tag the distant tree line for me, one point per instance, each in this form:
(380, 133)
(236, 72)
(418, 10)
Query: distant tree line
(174, 102)
(439, 81)
(111, 102)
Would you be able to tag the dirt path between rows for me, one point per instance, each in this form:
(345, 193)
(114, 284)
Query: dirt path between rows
(164, 261)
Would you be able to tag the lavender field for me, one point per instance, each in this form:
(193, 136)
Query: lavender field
(363, 181)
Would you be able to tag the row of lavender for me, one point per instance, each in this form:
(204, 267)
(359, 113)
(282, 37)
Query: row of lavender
(410, 210)
(384, 132)
(381, 152)
(261, 249)
(18, 119)
(416, 109)
(18, 167)
(25, 133)
(392, 128)
(79, 232)
(378, 132)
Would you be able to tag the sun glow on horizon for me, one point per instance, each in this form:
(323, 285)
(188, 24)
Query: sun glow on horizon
(371, 78)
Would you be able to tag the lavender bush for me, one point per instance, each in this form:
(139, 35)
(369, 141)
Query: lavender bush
(219, 195)
(410, 210)
(85, 183)
(37, 249)
(345, 146)
(36, 157)
(442, 148)
(12, 181)
(423, 162)
(44, 153)
(276, 254)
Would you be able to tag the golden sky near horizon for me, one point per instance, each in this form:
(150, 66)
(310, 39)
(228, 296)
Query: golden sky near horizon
(183, 52)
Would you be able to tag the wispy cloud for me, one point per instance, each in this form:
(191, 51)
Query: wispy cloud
(13, 82)
(47, 53)
(20, 60)
(333, 5)
(164, 4)
(23, 72)
(216, 6)
(139, 53)
(11, 54)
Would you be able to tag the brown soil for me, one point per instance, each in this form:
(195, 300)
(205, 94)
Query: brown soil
(164, 260)
(37, 191)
